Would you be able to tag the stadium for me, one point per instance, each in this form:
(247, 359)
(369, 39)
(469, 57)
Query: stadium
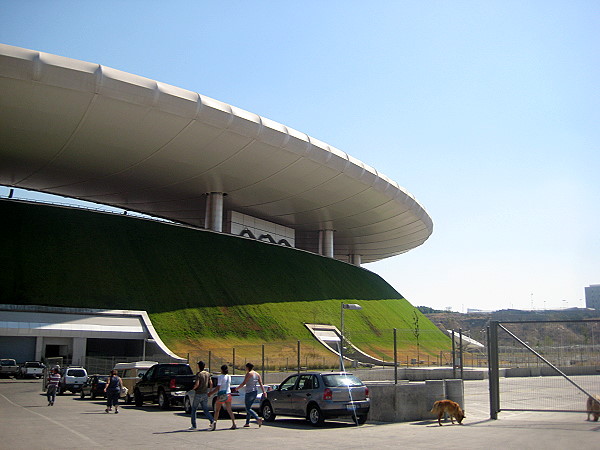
(248, 229)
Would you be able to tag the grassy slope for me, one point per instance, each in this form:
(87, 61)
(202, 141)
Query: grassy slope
(194, 284)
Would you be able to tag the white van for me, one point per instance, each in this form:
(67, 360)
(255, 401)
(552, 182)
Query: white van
(130, 373)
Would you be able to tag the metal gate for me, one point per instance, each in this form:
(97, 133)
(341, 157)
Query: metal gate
(555, 369)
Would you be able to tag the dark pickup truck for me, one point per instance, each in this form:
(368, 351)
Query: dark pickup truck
(165, 384)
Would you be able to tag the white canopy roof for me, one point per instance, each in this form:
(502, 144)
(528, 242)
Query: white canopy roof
(87, 131)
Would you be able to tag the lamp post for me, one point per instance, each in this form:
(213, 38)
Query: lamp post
(344, 306)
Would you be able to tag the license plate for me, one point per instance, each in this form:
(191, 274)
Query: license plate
(76, 385)
(352, 407)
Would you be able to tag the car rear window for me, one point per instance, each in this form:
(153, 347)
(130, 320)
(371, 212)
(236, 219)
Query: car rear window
(33, 364)
(340, 380)
(8, 362)
(76, 373)
(175, 370)
(237, 379)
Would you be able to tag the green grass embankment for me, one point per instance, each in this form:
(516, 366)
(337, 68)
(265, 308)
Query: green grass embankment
(194, 284)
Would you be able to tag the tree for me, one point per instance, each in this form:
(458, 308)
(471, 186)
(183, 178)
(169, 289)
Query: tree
(416, 332)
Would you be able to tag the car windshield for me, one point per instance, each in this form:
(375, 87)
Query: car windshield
(76, 373)
(8, 362)
(341, 380)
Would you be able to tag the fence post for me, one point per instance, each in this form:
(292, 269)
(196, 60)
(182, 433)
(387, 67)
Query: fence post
(453, 356)
(233, 363)
(460, 352)
(263, 362)
(298, 355)
(493, 370)
(209, 358)
(395, 359)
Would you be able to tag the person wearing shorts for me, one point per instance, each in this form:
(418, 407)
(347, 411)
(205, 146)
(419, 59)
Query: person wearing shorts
(223, 391)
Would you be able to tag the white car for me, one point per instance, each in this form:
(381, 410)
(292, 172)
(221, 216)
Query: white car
(72, 380)
(237, 398)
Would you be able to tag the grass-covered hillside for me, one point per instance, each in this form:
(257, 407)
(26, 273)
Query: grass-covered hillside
(198, 286)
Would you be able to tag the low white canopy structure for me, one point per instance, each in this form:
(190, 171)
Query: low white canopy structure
(32, 332)
(90, 132)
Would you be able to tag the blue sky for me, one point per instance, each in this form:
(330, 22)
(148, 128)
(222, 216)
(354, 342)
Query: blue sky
(486, 111)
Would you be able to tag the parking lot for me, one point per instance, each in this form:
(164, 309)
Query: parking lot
(27, 422)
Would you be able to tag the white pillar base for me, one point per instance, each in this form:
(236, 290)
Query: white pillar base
(214, 211)
(326, 243)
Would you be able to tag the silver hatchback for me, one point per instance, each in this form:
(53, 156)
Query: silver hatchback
(318, 396)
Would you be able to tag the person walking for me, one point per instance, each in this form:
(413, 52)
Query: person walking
(113, 392)
(201, 386)
(252, 380)
(53, 381)
(223, 390)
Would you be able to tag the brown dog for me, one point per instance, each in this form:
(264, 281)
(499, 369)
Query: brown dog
(449, 407)
(593, 407)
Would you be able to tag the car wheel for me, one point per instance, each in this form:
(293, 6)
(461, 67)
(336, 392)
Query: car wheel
(187, 406)
(128, 399)
(137, 396)
(359, 420)
(163, 401)
(82, 395)
(315, 416)
(59, 391)
(267, 412)
(92, 395)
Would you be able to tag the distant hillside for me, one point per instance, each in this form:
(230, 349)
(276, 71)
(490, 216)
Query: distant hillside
(195, 284)
(475, 324)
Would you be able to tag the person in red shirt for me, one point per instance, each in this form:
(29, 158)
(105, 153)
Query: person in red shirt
(53, 380)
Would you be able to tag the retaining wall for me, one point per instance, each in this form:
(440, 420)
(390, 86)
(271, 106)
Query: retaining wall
(411, 401)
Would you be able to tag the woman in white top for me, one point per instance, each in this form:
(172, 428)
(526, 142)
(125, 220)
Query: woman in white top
(251, 381)
(223, 390)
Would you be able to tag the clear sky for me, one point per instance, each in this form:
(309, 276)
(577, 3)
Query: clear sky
(488, 112)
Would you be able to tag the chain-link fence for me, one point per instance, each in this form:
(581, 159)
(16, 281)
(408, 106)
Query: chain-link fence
(560, 358)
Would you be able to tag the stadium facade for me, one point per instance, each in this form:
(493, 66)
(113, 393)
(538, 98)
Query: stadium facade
(90, 132)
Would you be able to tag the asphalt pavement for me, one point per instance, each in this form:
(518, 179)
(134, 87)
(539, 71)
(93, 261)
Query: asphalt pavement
(27, 422)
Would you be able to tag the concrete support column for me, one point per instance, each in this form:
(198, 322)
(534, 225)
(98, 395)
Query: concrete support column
(326, 243)
(214, 211)
(39, 348)
(79, 351)
(355, 259)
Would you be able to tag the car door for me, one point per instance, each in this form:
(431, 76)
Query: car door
(146, 383)
(305, 390)
(281, 398)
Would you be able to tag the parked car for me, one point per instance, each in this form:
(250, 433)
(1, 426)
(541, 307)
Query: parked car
(94, 386)
(31, 369)
(165, 384)
(131, 373)
(237, 397)
(8, 367)
(318, 396)
(72, 380)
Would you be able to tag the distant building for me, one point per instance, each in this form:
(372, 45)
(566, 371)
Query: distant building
(592, 296)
